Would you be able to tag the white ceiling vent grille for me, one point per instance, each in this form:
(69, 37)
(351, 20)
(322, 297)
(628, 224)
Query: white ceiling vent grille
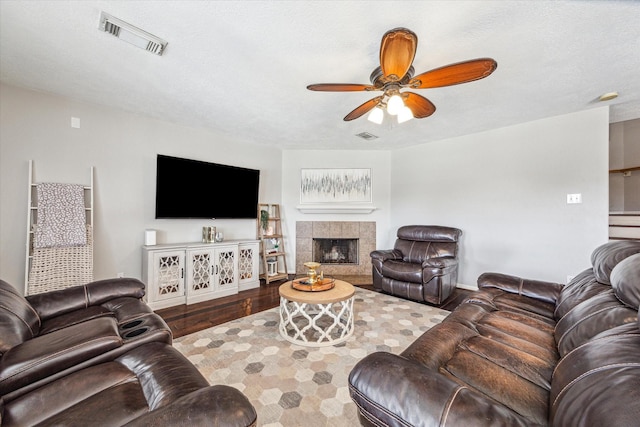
(131, 34)
(366, 135)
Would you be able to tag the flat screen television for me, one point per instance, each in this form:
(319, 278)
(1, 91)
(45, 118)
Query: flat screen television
(188, 188)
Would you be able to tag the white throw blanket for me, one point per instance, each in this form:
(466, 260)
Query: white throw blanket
(61, 220)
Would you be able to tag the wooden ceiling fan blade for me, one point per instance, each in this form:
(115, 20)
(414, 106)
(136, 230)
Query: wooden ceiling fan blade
(453, 74)
(362, 109)
(397, 50)
(420, 106)
(340, 87)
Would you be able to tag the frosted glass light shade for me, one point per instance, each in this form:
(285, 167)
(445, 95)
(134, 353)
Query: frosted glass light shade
(376, 115)
(405, 114)
(394, 105)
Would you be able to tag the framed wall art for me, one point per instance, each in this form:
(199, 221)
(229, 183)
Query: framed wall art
(335, 186)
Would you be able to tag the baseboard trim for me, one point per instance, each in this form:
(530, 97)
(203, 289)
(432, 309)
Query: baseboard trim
(468, 287)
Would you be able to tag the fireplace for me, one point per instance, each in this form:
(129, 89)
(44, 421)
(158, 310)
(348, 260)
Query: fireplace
(335, 251)
(345, 250)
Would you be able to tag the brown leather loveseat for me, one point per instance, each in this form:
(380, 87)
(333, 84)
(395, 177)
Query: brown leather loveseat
(520, 352)
(98, 355)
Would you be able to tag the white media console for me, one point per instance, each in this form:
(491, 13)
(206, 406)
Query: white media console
(186, 273)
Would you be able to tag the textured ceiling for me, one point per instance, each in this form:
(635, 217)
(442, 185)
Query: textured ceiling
(241, 67)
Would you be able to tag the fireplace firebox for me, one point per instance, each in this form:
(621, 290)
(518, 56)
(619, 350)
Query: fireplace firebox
(335, 251)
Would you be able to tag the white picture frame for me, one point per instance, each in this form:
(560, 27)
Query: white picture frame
(340, 185)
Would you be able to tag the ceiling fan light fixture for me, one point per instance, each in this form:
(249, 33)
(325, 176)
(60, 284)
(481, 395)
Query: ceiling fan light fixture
(394, 104)
(405, 114)
(376, 116)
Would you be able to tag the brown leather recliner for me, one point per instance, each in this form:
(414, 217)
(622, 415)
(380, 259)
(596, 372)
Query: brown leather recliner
(96, 354)
(422, 266)
(48, 335)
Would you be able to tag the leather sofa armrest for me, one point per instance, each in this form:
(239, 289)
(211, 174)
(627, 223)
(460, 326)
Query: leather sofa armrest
(387, 388)
(51, 304)
(385, 254)
(48, 354)
(217, 405)
(440, 262)
(537, 289)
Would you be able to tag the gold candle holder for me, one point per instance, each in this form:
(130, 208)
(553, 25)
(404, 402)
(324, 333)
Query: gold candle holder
(313, 275)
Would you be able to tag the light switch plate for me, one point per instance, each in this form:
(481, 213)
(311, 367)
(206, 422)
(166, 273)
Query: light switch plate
(574, 198)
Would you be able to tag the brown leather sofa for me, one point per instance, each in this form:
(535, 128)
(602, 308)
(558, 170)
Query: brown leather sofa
(422, 266)
(98, 355)
(520, 352)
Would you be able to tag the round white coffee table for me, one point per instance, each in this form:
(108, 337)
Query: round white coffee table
(316, 319)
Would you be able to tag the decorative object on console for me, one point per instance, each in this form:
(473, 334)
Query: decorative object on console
(397, 51)
(335, 186)
(219, 236)
(149, 237)
(208, 234)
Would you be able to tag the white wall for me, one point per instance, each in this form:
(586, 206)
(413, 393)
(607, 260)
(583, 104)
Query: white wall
(122, 147)
(506, 189)
(294, 160)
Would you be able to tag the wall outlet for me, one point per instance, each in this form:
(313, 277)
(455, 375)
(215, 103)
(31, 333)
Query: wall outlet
(121, 274)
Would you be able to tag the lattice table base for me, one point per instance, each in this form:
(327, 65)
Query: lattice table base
(313, 321)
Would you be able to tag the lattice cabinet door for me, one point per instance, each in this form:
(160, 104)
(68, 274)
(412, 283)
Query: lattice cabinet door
(226, 268)
(168, 275)
(248, 265)
(200, 273)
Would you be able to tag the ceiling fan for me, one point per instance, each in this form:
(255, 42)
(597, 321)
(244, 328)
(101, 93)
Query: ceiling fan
(397, 51)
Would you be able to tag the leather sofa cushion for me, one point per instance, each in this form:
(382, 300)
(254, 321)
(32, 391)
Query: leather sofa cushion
(598, 383)
(583, 287)
(605, 257)
(625, 280)
(48, 354)
(74, 318)
(80, 399)
(417, 251)
(403, 271)
(51, 304)
(589, 318)
(429, 233)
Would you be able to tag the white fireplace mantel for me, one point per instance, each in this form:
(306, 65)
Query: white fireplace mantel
(336, 209)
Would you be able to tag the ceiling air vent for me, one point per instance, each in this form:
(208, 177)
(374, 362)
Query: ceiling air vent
(131, 34)
(366, 135)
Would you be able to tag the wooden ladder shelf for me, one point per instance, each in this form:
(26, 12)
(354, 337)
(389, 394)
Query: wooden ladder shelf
(272, 252)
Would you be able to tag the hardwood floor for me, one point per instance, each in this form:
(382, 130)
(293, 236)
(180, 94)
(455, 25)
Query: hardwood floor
(186, 319)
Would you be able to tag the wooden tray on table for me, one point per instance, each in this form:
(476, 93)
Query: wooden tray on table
(324, 284)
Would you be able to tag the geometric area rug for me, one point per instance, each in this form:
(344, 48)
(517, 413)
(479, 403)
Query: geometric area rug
(291, 385)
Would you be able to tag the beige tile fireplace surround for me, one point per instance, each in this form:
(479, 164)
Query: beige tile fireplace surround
(364, 231)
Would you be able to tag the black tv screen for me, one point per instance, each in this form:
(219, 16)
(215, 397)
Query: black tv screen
(195, 189)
